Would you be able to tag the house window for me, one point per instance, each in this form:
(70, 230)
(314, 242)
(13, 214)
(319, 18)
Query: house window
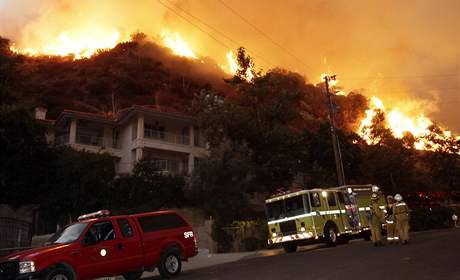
(154, 131)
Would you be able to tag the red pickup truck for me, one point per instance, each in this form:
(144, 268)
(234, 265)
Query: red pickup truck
(99, 245)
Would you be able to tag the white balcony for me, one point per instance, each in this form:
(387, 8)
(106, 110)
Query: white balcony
(88, 142)
(166, 136)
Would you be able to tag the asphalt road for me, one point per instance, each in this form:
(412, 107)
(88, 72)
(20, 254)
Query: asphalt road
(430, 255)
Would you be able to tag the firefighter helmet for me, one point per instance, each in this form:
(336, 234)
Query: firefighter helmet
(398, 197)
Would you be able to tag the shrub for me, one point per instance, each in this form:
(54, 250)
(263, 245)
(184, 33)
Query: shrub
(221, 237)
(430, 218)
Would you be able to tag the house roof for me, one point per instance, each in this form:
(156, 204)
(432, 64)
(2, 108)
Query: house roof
(167, 112)
(123, 114)
(97, 117)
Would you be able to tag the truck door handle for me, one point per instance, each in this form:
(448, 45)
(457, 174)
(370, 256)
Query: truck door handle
(120, 246)
(73, 253)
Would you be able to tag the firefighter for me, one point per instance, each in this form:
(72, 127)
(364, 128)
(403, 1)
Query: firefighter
(389, 218)
(376, 218)
(454, 219)
(401, 216)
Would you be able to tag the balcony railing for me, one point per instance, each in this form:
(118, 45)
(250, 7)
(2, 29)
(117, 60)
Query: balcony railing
(62, 139)
(166, 136)
(88, 139)
(169, 166)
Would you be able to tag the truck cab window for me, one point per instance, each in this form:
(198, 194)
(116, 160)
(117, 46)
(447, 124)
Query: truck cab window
(101, 231)
(275, 210)
(315, 200)
(125, 228)
(331, 199)
(294, 206)
(341, 197)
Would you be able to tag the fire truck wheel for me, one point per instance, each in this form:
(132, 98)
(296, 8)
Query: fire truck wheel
(330, 235)
(133, 275)
(58, 274)
(290, 247)
(170, 263)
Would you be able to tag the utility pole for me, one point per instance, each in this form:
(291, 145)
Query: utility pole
(335, 139)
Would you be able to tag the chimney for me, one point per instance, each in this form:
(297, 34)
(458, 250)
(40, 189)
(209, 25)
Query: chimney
(40, 113)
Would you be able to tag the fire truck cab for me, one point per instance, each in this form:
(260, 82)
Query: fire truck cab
(331, 215)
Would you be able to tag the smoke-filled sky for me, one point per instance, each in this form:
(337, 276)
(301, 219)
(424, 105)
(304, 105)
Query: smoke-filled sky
(405, 52)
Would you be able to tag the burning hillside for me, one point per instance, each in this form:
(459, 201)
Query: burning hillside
(200, 71)
(426, 134)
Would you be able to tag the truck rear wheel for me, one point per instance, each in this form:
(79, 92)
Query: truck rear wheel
(170, 263)
(330, 235)
(290, 247)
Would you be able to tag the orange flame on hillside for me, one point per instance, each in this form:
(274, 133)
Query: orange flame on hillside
(177, 45)
(401, 124)
(81, 43)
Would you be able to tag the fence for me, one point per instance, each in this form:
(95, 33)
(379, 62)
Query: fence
(14, 235)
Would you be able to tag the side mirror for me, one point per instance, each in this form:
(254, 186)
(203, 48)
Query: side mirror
(89, 240)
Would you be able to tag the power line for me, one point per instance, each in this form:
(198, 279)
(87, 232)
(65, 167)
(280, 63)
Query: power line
(390, 90)
(451, 75)
(264, 34)
(210, 27)
(196, 26)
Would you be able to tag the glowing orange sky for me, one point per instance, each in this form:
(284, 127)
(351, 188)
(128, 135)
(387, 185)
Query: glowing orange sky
(405, 52)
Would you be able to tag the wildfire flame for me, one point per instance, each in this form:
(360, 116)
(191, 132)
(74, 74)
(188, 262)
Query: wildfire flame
(80, 44)
(400, 125)
(232, 63)
(233, 67)
(178, 46)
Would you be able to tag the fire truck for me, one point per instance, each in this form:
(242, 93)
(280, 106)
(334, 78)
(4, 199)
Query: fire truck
(330, 215)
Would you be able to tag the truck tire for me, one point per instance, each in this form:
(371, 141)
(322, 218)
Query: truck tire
(133, 275)
(58, 273)
(170, 263)
(330, 235)
(290, 247)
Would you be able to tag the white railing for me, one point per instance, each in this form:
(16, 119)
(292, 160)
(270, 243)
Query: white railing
(89, 139)
(166, 136)
(62, 139)
(168, 165)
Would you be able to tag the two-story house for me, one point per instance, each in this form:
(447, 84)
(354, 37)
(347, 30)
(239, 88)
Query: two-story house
(171, 140)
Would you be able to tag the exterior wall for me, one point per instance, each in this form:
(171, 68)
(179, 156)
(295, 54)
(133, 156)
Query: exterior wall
(126, 164)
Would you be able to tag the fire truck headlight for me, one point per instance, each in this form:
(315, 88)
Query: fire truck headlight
(26, 267)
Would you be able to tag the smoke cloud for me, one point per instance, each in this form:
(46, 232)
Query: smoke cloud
(405, 52)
